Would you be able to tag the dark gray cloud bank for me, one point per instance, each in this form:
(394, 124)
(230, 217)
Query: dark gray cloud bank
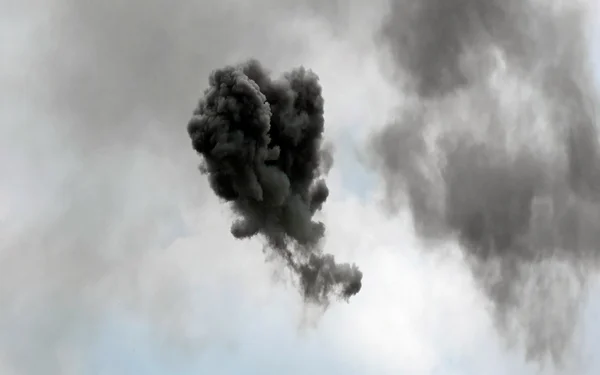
(496, 144)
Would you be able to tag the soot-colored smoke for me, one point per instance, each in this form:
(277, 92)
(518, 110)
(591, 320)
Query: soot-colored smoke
(496, 145)
(261, 140)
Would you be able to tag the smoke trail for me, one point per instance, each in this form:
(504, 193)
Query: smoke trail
(497, 146)
(261, 143)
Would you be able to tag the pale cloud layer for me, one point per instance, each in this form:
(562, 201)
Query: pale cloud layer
(106, 218)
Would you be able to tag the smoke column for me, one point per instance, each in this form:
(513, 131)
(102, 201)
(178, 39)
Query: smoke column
(261, 143)
(496, 146)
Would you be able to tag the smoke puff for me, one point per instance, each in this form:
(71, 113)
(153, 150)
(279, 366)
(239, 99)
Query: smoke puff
(261, 143)
(497, 147)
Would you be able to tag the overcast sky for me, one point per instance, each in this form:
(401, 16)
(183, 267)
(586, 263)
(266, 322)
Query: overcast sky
(116, 258)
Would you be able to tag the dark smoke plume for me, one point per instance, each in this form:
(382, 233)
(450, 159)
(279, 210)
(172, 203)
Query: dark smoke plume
(261, 140)
(497, 146)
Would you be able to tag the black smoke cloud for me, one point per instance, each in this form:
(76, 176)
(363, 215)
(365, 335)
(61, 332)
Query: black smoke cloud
(261, 140)
(496, 145)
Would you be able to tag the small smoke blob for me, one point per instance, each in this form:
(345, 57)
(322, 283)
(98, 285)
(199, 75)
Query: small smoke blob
(261, 140)
(497, 146)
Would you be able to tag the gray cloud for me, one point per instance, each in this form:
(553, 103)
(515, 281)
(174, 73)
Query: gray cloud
(496, 144)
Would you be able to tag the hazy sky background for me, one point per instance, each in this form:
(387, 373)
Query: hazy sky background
(116, 258)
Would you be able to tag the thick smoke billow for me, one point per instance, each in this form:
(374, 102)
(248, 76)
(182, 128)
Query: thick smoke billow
(261, 142)
(496, 145)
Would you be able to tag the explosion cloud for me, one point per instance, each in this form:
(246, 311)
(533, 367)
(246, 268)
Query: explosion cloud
(496, 145)
(261, 140)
